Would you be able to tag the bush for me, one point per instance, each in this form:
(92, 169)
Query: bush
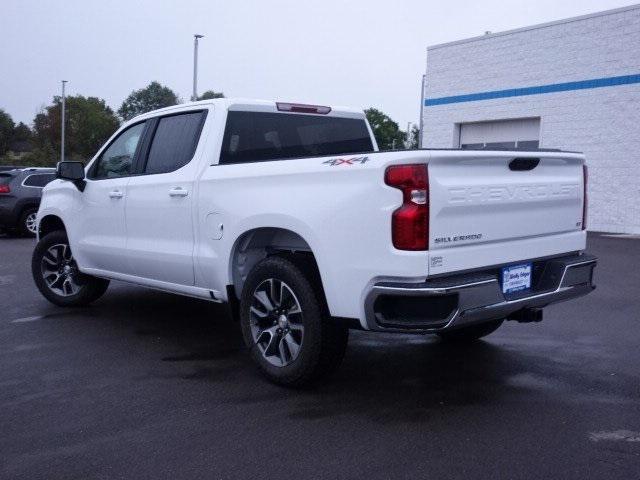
(39, 157)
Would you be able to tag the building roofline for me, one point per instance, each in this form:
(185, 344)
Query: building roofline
(536, 27)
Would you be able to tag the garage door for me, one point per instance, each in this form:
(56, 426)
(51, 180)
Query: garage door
(518, 133)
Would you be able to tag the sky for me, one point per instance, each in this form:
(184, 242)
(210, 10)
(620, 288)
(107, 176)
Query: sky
(361, 53)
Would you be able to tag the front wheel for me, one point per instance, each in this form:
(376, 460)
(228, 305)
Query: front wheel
(56, 274)
(286, 325)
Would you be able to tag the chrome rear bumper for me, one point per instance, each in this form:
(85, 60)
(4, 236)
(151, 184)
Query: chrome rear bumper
(461, 300)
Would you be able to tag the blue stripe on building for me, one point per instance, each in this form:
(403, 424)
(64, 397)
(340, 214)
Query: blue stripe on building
(521, 92)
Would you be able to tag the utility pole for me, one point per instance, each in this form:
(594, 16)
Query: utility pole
(409, 136)
(62, 122)
(196, 37)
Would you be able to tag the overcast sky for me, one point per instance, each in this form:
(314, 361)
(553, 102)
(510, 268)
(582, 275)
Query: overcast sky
(334, 52)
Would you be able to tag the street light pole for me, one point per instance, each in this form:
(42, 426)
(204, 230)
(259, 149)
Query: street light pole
(62, 122)
(196, 37)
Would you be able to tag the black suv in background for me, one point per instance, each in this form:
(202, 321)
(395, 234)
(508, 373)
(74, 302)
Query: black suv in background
(20, 193)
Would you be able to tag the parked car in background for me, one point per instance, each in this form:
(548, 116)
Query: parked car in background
(4, 168)
(20, 193)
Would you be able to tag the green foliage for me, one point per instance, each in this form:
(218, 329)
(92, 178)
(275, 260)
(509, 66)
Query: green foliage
(89, 123)
(210, 95)
(387, 133)
(44, 156)
(6, 131)
(22, 133)
(413, 139)
(152, 97)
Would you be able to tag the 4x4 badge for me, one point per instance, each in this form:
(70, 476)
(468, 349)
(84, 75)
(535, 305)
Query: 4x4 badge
(346, 161)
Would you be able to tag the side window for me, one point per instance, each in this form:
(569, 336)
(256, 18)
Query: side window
(174, 142)
(39, 179)
(116, 161)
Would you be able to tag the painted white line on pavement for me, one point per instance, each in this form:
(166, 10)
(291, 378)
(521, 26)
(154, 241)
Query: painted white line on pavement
(616, 436)
(27, 319)
(7, 279)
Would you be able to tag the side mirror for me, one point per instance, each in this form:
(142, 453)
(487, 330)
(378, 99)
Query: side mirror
(70, 171)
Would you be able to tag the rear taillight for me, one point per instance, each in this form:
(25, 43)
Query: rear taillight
(585, 177)
(410, 222)
(5, 189)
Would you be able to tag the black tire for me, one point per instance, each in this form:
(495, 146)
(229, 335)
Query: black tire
(322, 342)
(472, 333)
(88, 288)
(26, 224)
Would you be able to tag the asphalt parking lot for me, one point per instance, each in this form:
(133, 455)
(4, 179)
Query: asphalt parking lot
(148, 385)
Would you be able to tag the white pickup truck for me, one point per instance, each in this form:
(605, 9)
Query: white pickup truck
(290, 214)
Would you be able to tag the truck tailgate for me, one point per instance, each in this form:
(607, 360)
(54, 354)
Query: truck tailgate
(500, 199)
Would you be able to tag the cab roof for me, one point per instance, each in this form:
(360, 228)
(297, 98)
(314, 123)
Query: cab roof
(251, 105)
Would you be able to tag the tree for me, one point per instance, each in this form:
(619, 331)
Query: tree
(22, 133)
(414, 138)
(45, 156)
(386, 131)
(90, 122)
(22, 139)
(151, 97)
(6, 131)
(210, 95)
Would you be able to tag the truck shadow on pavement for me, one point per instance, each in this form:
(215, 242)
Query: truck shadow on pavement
(385, 377)
(388, 377)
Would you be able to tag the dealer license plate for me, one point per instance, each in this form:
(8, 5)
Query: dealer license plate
(516, 278)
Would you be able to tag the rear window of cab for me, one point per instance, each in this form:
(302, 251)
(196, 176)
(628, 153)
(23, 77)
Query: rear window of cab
(265, 136)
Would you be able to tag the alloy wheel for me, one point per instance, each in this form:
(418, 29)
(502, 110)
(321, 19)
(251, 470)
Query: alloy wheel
(60, 271)
(31, 223)
(276, 322)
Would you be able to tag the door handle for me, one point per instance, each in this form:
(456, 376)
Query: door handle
(116, 194)
(178, 192)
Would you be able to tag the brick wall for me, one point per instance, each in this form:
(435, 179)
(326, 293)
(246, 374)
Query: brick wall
(604, 123)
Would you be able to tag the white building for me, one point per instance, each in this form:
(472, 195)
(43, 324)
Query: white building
(573, 84)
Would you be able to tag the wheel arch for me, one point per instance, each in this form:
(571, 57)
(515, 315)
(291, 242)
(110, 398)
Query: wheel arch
(50, 223)
(24, 206)
(258, 243)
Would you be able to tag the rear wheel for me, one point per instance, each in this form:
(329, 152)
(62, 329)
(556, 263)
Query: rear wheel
(472, 333)
(286, 325)
(28, 225)
(56, 274)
